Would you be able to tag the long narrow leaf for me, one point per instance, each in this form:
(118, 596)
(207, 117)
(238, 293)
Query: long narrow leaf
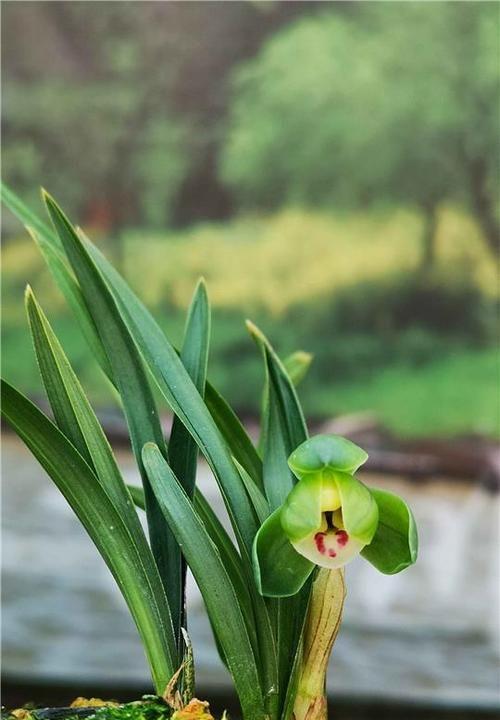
(137, 398)
(27, 216)
(227, 422)
(227, 551)
(72, 411)
(118, 330)
(219, 594)
(234, 434)
(65, 281)
(284, 426)
(182, 449)
(136, 575)
(257, 498)
(146, 333)
(283, 430)
(259, 624)
(297, 364)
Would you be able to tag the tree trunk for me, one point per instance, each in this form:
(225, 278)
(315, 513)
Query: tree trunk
(428, 257)
(483, 204)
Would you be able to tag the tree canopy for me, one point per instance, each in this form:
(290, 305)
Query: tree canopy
(377, 107)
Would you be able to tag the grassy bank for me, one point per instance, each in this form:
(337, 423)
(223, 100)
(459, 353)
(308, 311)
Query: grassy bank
(418, 352)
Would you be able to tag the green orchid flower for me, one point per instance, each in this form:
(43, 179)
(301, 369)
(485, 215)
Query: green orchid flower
(329, 518)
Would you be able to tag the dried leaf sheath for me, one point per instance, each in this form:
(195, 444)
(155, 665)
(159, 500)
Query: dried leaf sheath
(322, 626)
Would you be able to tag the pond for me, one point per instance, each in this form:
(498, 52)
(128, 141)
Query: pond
(429, 634)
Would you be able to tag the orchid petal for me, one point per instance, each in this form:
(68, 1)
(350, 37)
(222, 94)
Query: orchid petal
(395, 544)
(326, 452)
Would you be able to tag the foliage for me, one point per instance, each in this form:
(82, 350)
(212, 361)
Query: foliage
(148, 708)
(390, 318)
(105, 99)
(143, 86)
(384, 106)
(460, 387)
(260, 639)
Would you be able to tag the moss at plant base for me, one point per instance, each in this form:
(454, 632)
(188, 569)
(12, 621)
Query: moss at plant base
(148, 708)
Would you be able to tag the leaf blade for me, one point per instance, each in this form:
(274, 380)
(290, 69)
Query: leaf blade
(297, 365)
(218, 592)
(283, 429)
(234, 433)
(144, 328)
(283, 423)
(140, 585)
(136, 395)
(182, 450)
(165, 365)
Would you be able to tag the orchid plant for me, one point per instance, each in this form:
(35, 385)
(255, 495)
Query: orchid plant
(298, 512)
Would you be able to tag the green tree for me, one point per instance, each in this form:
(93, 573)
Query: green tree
(82, 102)
(132, 99)
(391, 105)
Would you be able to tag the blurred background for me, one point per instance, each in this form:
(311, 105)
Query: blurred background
(331, 169)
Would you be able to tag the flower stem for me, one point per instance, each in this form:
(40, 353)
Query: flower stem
(323, 622)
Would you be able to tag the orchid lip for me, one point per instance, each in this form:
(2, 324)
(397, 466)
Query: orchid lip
(330, 545)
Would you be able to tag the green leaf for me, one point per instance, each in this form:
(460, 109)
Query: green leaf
(218, 592)
(27, 216)
(323, 452)
(283, 423)
(51, 249)
(395, 544)
(137, 495)
(143, 327)
(257, 498)
(297, 364)
(229, 554)
(235, 435)
(65, 280)
(279, 569)
(231, 560)
(72, 411)
(138, 403)
(147, 334)
(283, 428)
(182, 450)
(117, 324)
(296, 667)
(132, 567)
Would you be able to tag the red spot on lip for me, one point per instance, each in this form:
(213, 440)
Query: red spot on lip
(319, 539)
(342, 537)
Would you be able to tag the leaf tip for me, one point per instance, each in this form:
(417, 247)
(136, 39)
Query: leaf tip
(254, 331)
(29, 297)
(148, 449)
(32, 232)
(304, 357)
(201, 290)
(46, 196)
(33, 309)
